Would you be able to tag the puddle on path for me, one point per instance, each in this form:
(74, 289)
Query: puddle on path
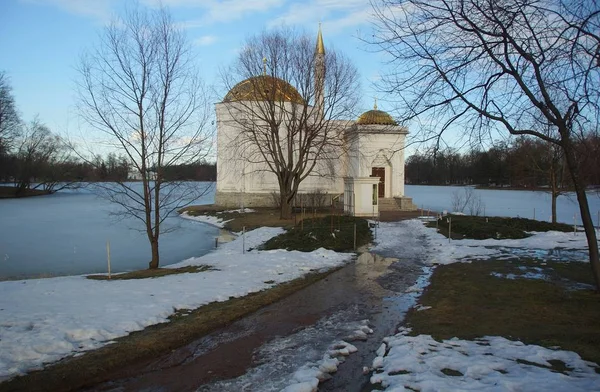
(261, 352)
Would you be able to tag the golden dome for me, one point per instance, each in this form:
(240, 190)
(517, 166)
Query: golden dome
(377, 117)
(264, 88)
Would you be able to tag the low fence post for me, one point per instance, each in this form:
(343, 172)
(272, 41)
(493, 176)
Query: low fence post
(244, 239)
(108, 256)
(449, 229)
(354, 236)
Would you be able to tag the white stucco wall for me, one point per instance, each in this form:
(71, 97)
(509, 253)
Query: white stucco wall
(240, 170)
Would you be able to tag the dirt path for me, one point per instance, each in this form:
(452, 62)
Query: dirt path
(260, 352)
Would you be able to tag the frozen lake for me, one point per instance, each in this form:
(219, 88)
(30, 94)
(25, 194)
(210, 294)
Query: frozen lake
(66, 234)
(506, 202)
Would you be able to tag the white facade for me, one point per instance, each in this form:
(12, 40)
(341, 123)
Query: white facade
(243, 180)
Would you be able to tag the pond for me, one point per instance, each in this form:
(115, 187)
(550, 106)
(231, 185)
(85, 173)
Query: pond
(66, 234)
(510, 203)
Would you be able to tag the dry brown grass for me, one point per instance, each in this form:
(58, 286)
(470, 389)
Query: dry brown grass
(467, 302)
(97, 366)
(153, 273)
(261, 217)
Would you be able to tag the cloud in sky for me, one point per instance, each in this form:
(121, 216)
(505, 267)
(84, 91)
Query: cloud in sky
(96, 9)
(336, 14)
(219, 10)
(205, 40)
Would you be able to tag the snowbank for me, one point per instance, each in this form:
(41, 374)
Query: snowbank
(45, 320)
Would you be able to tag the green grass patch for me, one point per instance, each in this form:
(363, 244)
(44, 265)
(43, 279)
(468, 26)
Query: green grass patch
(477, 227)
(468, 302)
(154, 273)
(335, 232)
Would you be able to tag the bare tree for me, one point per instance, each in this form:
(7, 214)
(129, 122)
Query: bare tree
(531, 67)
(10, 122)
(293, 132)
(141, 89)
(40, 158)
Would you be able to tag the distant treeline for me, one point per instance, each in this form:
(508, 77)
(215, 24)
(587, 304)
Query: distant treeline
(525, 163)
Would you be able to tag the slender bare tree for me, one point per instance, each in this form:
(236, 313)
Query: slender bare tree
(288, 107)
(530, 67)
(140, 87)
(10, 122)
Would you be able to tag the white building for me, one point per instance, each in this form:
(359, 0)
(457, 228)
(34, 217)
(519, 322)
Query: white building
(366, 172)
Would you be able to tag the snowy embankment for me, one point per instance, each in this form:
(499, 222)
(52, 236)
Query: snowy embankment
(44, 320)
(490, 364)
(214, 220)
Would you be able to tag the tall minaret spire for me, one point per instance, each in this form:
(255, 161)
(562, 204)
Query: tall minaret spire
(320, 75)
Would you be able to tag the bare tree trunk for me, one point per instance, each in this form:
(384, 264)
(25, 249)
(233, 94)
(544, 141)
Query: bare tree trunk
(554, 197)
(155, 257)
(586, 218)
(286, 206)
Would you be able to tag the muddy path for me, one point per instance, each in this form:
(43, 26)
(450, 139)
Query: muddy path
(261, 351)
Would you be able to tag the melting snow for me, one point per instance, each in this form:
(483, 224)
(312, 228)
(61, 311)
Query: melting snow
(488, 364)
(44, 320)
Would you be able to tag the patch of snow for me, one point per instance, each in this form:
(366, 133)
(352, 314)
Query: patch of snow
(426, 245)
(208, 219)
(487, 364)
(44, 320)
(239, 210)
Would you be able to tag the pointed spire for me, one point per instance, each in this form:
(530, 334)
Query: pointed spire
(375, 105)
(264, 66)
(320, 47)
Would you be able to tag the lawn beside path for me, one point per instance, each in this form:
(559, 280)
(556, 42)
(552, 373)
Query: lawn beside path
(510, 314)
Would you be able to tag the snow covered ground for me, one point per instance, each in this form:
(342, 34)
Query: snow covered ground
(433, 248)
(490, 364)
(212, 219)
(44, 320)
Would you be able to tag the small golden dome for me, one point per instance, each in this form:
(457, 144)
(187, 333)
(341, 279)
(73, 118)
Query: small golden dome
(264, 88)
(376, 117)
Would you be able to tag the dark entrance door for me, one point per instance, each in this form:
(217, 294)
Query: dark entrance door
(379, 172)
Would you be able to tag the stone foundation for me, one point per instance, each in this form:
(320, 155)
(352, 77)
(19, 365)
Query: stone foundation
(236, 200)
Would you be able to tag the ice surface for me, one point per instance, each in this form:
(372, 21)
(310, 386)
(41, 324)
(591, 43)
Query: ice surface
(298, 362)
(505, 202)
(43, 320)
(66, 234)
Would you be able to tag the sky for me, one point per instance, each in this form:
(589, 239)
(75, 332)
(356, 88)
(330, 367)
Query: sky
(41, 42)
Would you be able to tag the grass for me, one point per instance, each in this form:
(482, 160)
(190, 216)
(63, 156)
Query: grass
(153, 273)
(329, 232)
(251, 220)
(468, 302)
(477, 227)
(97, 366)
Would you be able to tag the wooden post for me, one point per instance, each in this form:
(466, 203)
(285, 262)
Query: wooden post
(449, 229)
(244, 239)
(354, 236)
(108, 256)
(216, 242)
